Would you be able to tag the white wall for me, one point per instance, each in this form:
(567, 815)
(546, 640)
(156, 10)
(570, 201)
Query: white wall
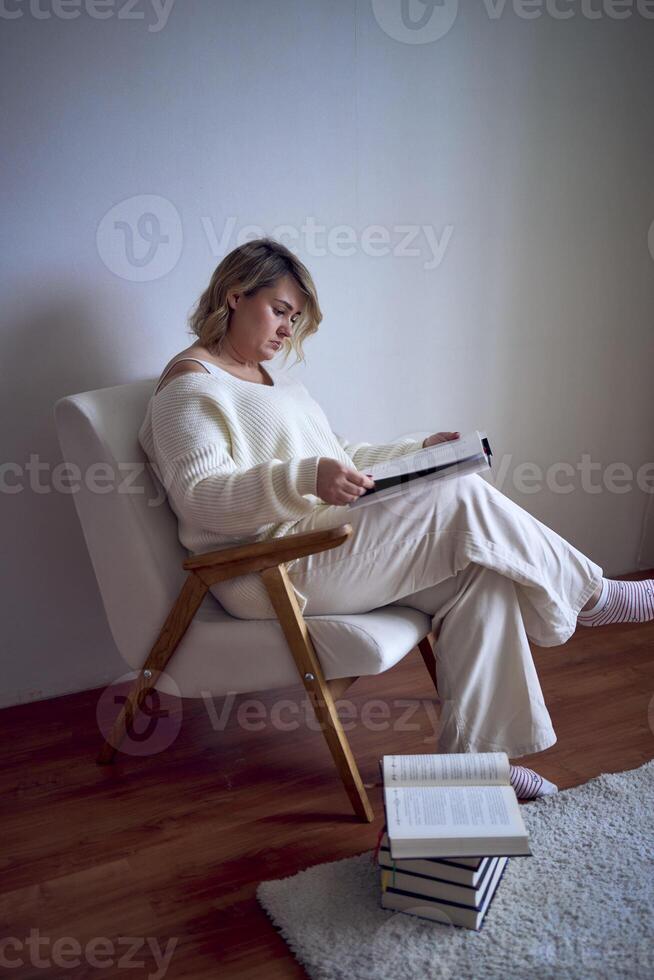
(524, 145)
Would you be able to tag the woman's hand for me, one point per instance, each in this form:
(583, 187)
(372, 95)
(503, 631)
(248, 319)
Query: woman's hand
(440, 437)
(337, 483)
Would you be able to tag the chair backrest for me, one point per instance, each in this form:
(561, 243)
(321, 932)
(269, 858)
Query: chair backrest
(129, 527)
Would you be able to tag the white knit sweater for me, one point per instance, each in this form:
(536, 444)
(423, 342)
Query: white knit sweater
(238, 460)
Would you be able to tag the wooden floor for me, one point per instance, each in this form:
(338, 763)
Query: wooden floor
(170, 847)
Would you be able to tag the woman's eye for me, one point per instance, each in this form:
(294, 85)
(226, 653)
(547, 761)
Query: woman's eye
(282, 312)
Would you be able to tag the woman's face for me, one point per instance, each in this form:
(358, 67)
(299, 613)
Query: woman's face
(260, 324)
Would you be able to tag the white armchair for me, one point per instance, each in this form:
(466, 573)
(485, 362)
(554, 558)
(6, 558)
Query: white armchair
(146, 579)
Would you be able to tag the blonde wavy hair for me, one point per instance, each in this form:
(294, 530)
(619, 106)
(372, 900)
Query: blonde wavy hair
(248, 268)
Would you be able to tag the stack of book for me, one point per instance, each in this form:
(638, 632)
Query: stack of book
(456, 891)
(452, 822)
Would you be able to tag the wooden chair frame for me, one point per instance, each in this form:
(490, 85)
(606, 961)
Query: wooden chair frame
(267, 558)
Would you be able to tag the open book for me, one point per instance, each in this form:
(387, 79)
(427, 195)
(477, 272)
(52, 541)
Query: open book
(468, 454)
(455, 805)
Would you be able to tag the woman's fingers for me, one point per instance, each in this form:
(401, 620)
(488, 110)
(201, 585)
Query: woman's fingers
(359, 481)
(354, 489)
(446, 436)
(356, 484)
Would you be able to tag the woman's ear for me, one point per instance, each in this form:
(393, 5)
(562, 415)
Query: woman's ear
(232, 299)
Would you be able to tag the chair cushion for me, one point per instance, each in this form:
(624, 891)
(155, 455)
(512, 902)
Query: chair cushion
(220, 653)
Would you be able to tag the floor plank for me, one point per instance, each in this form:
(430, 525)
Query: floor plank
(170, 847)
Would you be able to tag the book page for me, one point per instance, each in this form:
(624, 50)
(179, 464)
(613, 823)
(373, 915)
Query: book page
(457, 811)
(463, 448)
(453, 769)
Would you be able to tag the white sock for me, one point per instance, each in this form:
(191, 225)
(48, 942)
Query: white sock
(528, 785)
(621, 602)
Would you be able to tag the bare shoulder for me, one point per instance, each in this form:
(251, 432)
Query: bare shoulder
(181, 365)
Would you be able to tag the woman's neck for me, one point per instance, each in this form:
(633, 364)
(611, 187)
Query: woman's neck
(245, 371)
(235, 358)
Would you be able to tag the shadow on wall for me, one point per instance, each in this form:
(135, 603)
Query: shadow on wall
(60, 341)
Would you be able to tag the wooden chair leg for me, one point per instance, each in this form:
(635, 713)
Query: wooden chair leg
(179, 618)
(297, 636)
(339, 685)
(427, 652)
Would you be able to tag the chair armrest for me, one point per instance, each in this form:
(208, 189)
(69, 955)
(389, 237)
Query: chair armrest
(276, 551)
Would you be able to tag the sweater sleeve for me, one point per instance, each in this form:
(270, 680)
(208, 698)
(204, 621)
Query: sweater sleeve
(365, 454)
(204, 485)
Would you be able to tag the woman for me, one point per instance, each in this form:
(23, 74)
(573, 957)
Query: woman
(246, 454)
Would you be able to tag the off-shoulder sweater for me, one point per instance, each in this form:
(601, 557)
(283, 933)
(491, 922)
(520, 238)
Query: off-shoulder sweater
(238, 460)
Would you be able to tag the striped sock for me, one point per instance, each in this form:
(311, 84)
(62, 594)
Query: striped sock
(621, 602)
(528, 785)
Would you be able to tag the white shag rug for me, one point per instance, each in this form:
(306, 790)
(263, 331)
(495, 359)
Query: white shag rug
(581, 908)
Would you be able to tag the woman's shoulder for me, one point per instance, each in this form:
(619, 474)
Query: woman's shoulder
(184, 362)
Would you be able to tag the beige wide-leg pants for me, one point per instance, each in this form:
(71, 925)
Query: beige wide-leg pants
(491, 576)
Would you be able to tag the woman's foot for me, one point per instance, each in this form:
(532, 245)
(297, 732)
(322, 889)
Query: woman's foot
(528, 785)
(621, 602)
